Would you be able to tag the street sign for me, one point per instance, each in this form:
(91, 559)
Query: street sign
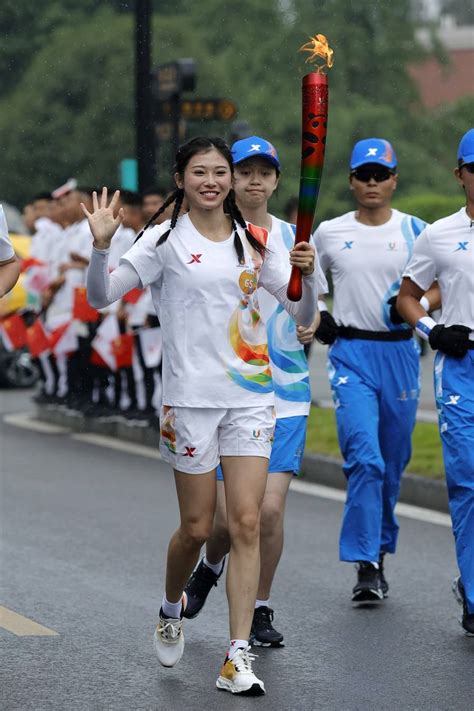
(199, 110)
(174, 77)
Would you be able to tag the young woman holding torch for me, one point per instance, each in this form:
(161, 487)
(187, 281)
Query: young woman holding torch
(257, 172)
(204, 268)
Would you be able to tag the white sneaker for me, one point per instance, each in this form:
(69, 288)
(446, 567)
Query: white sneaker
(168, 640)
(237, 676)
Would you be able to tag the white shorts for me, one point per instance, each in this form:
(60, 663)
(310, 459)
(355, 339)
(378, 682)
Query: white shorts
(193, 439)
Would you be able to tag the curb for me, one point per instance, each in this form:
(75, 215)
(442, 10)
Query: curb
(415, 490)
(422, 414)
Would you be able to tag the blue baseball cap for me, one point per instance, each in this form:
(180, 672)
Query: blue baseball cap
(373, 150)
(255, 146)
(466, 148)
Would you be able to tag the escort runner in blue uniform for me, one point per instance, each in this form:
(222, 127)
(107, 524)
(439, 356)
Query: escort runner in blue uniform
(373, 360)
(445, 251)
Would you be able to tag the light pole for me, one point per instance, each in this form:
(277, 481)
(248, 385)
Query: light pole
(144, 123)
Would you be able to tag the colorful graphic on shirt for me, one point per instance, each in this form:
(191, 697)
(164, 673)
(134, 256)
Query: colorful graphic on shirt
(248, 341)
(288, 359)
(247, 332)
(167, 429)
(248, 281)
(287, 356)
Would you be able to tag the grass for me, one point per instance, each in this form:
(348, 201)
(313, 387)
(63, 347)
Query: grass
(426, 455)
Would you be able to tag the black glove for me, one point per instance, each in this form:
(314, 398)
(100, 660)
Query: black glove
(395, 317)
(327, 330)
(452, 340)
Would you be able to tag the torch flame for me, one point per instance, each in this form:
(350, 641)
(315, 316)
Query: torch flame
(318, 47)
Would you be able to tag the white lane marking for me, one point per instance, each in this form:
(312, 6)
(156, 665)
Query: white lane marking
(26, 421)
(112, 443)
(22, 626)
(300, 487)
(407, 510)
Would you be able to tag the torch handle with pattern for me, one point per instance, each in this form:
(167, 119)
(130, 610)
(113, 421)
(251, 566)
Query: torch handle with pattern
(313, 143)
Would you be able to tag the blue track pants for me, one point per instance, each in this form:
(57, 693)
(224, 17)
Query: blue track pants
(454, 390)
(375, 386)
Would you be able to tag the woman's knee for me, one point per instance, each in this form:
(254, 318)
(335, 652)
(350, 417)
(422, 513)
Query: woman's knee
(271, 515)
(196, 533)
(245, 527)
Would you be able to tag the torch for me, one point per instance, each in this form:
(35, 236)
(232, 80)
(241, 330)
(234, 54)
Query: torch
(314, 116)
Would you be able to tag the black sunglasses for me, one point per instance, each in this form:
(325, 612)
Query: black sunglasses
(469, 167)
(364, 175)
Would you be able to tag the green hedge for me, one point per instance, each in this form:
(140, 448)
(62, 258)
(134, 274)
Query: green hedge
(430, 206)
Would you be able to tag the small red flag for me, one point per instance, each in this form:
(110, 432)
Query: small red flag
(133, 296)
(29, 262)
(81, 309)
(15, 330)
(122, 348)
(95, 359)
(37, 339)
(63, 340)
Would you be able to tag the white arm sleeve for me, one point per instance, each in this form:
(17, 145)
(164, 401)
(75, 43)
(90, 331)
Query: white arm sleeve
(104, 288)
(301, 311)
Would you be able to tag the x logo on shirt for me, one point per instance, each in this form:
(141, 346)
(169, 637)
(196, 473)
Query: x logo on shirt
(462, 247)
(342, 380)
(189, 451)
(348, 245)
(195, 258)
(453, 400)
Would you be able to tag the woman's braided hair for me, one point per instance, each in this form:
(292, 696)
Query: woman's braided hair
(183, 156)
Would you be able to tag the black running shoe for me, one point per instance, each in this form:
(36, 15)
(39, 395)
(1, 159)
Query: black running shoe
(262, 633)
(198, 588)
(383, 580)
(368, 590)
(467, 621)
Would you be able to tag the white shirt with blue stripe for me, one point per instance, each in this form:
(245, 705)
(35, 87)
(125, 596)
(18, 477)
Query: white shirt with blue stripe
(289, 365)
(445, 251)
(366, 263)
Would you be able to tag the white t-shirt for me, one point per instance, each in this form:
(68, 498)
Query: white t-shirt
(288, 360)
(445, 251)
(366, 263)
(6, 247)
(215, 346)
(122, 240)
(76, 238)
(44, 241)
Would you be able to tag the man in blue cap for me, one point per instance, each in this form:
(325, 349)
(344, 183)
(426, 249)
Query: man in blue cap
(373, 359)
(445, 251)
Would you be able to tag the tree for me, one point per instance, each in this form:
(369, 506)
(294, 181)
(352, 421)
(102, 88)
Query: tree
(70, 107)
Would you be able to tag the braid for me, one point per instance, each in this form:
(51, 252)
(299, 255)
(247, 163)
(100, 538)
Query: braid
(238, 219)
(171, 198)
(177, 207)
(179, 197)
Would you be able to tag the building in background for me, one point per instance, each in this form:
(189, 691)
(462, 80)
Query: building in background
(445, 82)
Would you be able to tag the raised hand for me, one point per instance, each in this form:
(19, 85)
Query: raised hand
(104, 220)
